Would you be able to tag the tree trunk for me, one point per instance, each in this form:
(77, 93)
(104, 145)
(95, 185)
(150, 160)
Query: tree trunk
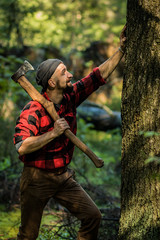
(140, 189)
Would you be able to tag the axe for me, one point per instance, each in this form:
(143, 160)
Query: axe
(19, 77)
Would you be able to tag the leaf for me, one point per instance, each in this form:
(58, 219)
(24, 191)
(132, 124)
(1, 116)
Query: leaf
(149, 133)
(152, 159)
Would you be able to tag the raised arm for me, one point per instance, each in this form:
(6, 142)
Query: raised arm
(109, 65)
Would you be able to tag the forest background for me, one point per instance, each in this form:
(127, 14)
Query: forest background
(83, 34)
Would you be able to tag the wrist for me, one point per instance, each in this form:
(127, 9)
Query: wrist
(54, 134)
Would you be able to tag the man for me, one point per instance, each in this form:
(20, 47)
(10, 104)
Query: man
(46, 152)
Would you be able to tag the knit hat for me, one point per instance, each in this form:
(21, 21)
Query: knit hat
(45, 71)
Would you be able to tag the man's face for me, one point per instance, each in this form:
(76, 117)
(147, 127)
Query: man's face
(62, 78)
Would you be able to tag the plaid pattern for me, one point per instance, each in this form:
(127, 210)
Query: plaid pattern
(34, 121)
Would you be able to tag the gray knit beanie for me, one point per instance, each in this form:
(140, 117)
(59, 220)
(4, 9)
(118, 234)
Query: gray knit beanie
(45, 71)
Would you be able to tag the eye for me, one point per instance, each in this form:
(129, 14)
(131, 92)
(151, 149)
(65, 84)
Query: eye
(63, 72)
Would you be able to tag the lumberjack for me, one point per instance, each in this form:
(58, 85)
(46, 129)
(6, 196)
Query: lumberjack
(44, 140)
(19, 77)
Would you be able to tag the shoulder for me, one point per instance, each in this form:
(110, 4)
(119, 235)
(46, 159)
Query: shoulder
(33, 108)
(31, 105)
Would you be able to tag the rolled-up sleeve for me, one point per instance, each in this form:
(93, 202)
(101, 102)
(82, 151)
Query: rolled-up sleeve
(86, 86)
(27, 124)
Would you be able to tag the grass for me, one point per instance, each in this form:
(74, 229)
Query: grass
(10, 221)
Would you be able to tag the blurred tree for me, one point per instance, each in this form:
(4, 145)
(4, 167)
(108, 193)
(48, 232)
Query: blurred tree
(140, 191)
(11, 22)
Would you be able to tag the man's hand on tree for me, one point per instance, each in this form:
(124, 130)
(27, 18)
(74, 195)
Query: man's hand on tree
(60, 126)
(123, 39)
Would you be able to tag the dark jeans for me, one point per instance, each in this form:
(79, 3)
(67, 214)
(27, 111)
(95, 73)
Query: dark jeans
(38, 186)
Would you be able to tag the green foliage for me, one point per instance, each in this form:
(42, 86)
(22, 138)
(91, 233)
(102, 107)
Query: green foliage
(107, 146)
(149, 133)
(66, 25)
(7, 151)
(115, 103)
(153, 159)
(6, 70)
(9, 222)
(9, 90)
(61, 231)
(11, 95)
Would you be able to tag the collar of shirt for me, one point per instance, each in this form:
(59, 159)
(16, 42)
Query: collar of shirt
(57, 106)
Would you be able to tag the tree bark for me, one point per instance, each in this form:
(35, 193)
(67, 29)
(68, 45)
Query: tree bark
(140, 187)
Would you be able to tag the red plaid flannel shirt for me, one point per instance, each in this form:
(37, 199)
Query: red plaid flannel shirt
(34, 120)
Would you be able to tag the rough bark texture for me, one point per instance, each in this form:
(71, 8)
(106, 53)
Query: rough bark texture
(140, 190)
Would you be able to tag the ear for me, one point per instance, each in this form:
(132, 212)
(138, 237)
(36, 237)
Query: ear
(51, 83)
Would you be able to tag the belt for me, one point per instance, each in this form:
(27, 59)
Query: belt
(56, 171)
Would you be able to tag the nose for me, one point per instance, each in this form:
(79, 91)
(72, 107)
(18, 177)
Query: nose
(70, 75)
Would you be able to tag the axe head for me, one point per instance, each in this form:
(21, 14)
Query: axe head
(26, 66)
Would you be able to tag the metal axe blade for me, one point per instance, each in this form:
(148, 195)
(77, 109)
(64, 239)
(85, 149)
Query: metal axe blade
(26, 66)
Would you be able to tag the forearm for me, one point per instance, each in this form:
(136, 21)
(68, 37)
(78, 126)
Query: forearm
(34, 143)
(109, 65)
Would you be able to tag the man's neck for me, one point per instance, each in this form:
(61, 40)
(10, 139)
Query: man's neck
(55, 96)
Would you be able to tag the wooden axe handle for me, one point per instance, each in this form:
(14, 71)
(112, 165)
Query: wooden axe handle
(49, 106)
